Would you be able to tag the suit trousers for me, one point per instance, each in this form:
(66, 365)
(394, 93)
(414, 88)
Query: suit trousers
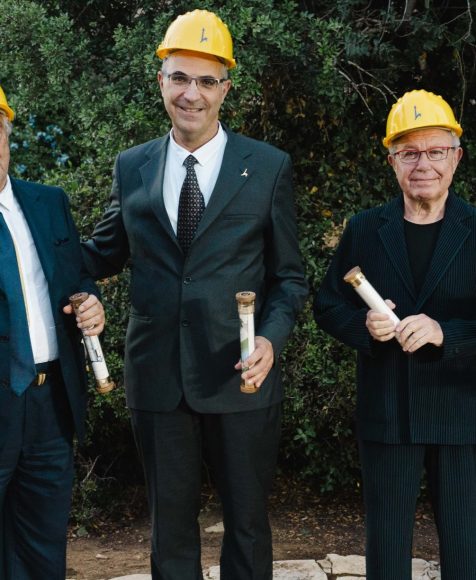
(241, 451)
(36, 475)
(391, 484)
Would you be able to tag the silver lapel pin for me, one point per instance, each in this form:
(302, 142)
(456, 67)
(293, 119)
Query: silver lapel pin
(245, 173)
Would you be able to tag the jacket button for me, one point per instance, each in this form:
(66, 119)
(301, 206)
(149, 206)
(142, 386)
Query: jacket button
(187, 280)
(185, 322)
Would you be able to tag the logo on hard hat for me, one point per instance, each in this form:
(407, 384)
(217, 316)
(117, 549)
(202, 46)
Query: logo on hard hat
(417, 114)
(204, 38)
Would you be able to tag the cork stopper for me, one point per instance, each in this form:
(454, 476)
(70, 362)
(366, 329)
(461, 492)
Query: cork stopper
(77, 299)
(248, 388)
(246, 297)
(354, 277)
(104, 386)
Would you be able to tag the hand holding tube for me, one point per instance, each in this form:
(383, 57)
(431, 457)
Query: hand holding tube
(368, 293)
(104, 384)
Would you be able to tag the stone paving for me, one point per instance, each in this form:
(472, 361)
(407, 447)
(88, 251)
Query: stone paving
(333, 567)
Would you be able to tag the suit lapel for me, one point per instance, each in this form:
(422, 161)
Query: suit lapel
(152, 174)
(235, 171)
(233, 175)
(393, 239)
(452, 235)
(37, 214)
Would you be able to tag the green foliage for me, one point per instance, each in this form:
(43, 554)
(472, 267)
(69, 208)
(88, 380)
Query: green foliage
(319, 442)
(315, 77)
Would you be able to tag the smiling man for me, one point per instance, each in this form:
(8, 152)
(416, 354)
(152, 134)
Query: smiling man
(203, 213)
(43, 390)
(416, 381)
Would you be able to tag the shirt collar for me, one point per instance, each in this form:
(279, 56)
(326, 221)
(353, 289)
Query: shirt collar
(6, 196)
(204, 153)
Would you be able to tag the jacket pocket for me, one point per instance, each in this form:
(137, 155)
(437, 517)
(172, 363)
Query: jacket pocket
(140, 317)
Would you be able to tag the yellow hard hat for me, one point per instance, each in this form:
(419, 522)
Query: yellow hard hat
(416, 110)
(4, 106)
(199, 31)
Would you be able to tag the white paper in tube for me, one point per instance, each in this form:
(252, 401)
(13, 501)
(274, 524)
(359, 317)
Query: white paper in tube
(96, 357)
(373, 299)
(247, 335)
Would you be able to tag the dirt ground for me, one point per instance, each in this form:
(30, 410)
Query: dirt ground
(304, 525)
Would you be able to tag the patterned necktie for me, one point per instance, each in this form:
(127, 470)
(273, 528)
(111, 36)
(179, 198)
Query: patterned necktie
(22, 364)
(191, 206)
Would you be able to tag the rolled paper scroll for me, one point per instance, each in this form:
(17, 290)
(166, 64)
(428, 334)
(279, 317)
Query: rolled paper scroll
(368, 293)
(246, 309)
(104, 384)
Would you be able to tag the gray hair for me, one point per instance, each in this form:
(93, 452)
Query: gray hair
(6, 123)
(455, 140)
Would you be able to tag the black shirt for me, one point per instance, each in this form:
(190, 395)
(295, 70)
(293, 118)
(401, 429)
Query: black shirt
(421, 241)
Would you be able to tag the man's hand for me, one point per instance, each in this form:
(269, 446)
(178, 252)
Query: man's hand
(415, 331)
(380, 326)
(91, 316)
(259, 363)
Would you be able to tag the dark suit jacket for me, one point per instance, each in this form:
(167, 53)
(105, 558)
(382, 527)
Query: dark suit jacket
(47, 212)
(183, 332)
(428, 396)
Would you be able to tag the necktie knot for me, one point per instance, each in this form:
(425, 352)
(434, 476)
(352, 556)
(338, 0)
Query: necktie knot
(190, 162)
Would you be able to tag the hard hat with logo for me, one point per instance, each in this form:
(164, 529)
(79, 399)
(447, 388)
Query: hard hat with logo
(199, 31)
(4, 106)
(416, 110)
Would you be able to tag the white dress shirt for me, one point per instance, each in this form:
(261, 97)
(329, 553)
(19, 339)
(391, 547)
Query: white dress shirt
(35, 288)
(209, 157)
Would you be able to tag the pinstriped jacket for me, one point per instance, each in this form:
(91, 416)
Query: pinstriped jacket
(428, 396)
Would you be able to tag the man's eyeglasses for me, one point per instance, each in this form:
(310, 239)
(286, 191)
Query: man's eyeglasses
(182, 80)
(413, 155)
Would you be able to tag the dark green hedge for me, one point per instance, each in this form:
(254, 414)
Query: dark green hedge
(316, 78)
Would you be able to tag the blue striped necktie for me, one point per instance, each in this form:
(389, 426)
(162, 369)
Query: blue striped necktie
(22, 364)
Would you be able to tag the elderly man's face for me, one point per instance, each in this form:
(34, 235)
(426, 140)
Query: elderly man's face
(425, 181)
(193, 110)
(4, 153)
